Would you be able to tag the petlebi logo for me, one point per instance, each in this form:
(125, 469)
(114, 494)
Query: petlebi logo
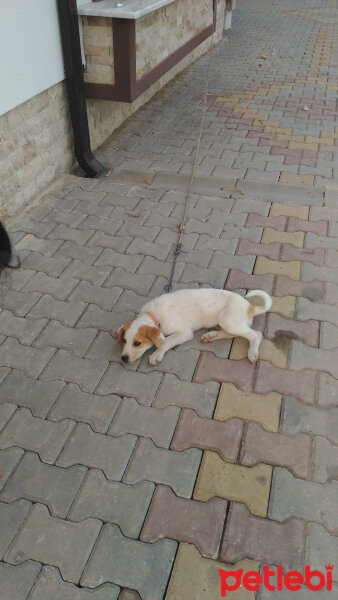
(275, 580)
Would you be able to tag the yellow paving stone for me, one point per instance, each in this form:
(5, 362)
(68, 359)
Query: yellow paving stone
(249, 485)
(283, 237)
(197, 578)
(285, 306)
(285, 210)
(327, 140)
(293, 138)
(275, 352)
(302, 146)
(290, 269)
(262, 408)
(299, 179)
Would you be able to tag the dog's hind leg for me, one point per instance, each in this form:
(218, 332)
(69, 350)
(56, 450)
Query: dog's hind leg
(240, 329)
(175, 339)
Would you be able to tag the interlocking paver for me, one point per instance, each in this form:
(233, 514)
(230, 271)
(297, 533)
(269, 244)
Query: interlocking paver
(88, 292)
(184, 520)
(328, 336)
(129, 595)
(320, 547)
(137, 282)
(325, 466)
(91, 449)
(264, 409)
(71, 547)
(201, 397)
(252, 537)
(238, 280)
(17, 582)
(85, 254)
(44, 483)
(51, 585)
(301, 384)
(8, 459)
(32, 433)
(77, 341)
(6, 412)
(66, 312)
(158, 425)
(25, 330)
(303, 356)
(210, 367)
(113, 556)
(64, 366)
(298, 417)
(318, 227)
(176, 469)
(313, 291)
(271, 236)
(269, 250)
(275, 222)
(31, 360)
(12, 518)
(59, 288)
(38, 396)
(81, 270)
(278, 327)
(290, 269)
(316, 257)
(48, 265)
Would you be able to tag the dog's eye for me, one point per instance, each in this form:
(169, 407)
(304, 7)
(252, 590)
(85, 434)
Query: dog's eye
(137, 343)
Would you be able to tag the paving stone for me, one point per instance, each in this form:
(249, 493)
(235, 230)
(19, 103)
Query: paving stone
(250, 485)
(31, 360)
(150, 266)
(300, 594)
(113, 556)
(300, 212)
(6, 412)
(181, 360)
(72, 542)
(129, 595)
(279, 327)
(275, 222)
(325, 461)
(137, 282)
(320, 547)
(238, 280)
(35, 244)
(313, 273)
(66, 312)
(8, 460)
(77, 341)
(80, 270)
(251, 206)
(292, 452)
(104, 452)
(95, 223)
(95, 410)
(38, 435)
(16, 582)
(208, 228)
(231, 231)
(316, 257)
(25, 330)
(248, 406)
(313, 291)
(207, 242)
(85, 254)
(64, 366)
(302, 356)
(289, 269)
(328, 336)
(129, 301)
(12, 517)
(318, 213)
(213, 277)
(38, 396)
(125, 505)
(285, 306)
(189, 521)
(301, 384)
(148, 234)
(276, 351)
(327, 393)
(114, 259)
(292, 497)
(176, 469)
(194, 432)
(297, 417)
(244, 264)
(159, 425)
(201, 397)
(125, 382)
(51, 266)
(317, 241)
(247, 536)
(332, 258)
(64, 232)
(321, 312)
(318, 227)
(59, 288)
(43, 483)
(212, 368)
(18, 302)
(198, 578)
(271, 236)
(51, 585)
(157, 250)
(269, 250)
(87, 292)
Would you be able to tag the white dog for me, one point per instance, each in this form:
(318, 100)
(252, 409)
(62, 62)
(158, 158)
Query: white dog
(179, 314)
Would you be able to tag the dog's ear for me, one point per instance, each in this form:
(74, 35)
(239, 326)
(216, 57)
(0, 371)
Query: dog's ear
(121, 331)
(155, 335)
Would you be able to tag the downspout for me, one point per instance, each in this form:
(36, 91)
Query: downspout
(70, 37)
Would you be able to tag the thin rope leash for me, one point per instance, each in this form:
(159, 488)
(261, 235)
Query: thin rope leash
(182, 223)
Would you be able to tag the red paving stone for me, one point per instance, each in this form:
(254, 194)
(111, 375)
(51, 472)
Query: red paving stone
(129, 595)
(317, 256)
(281, 327)
(291, 452)
(199, 523)
(237, 279)
(211, 368)
(247, 536)
(318, 227)
(287, 287)
(269, 250)
(194, 432)
(300, 384)
(254, 220)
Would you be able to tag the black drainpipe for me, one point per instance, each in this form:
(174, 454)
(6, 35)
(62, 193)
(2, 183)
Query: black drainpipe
(70, 37)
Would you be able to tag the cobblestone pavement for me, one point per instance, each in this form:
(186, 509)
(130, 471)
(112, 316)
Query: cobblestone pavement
(141, 482)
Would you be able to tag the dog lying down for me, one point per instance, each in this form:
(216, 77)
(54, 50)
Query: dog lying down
(171, 319)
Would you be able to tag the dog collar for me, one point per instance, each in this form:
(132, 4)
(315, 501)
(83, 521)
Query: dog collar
(153, 319)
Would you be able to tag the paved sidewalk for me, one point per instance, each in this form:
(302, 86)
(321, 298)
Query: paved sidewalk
(141, 482)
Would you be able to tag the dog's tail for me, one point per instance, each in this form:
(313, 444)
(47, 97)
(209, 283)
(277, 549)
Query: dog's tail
(262, 304)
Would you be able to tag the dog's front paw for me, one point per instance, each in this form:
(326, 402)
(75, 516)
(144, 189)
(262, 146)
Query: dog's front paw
(253, 356)
(210, 336)
(155, 358)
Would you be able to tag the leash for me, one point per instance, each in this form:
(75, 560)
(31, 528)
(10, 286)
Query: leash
(181, 225)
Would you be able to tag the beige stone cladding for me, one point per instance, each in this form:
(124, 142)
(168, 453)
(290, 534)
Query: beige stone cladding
(99, 50)
(162, 32)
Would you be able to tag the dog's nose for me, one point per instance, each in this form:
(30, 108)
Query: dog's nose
(125, 358)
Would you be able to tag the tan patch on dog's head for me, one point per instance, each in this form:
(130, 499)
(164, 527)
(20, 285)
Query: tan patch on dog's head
(121, 331)
(147, 333)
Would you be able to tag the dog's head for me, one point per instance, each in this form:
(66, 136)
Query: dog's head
(137, 337)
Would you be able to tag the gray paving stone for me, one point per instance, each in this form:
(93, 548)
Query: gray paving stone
(93, 294)
(71, 547)
(159, 425)
(207, 242)
(258, 207)
(31, 360)
(243, 263)
(104, 320)
(316, 241)
(291, 497)
(8, 460)
(132, 230)
(150, 266)
(38, 396)
(12, 517)
(63, 217)
(102, 240)
(180, 361)
(85, 254)
(214, 277)
(66, 312)
(130, 301)
(176, 469)
(95, 410)
(31, 433)
(137, 282)
(167, 236)
(65, 367)
(299, 594)
(95, 223)
(39, 482)
(50, 585)
(15, 280)
(6, 412)
(201, 397)
(35, 244)
(325, 461)
(64, 232)
(99, 451)
(19, 302)
(328, 336)
(140, 247)
(77, 341)
(106, 347)
(125, 382)
(303, 356)
(311, 272)
(59, 288)
(17, 582)
(114, 554)
(80, 270)
(196, 226)
(327, 392)
(313, 310)
(321, 549)
(114, 259)
(332, 257)
(112, 502)
(299, 417)
(323, 213)
(25, 330)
